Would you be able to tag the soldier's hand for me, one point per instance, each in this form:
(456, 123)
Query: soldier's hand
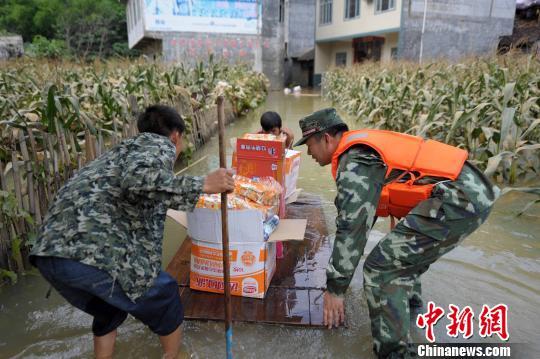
(333, 310)
(219, 181)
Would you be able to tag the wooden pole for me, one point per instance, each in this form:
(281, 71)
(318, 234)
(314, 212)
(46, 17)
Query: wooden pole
(46, 169)
(5, 234)
(62, 148)
(40, 186)
(33, 208)
(54, 157)
(225, 232)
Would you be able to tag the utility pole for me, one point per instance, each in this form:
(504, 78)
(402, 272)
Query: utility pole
(422, 35)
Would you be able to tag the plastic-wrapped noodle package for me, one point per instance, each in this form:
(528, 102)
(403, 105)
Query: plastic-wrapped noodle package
(234, 201)
(270, 226)
(213, 201)
(264, 191)
(260, 136)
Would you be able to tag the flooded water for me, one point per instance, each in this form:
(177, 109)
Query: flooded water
(499, 263)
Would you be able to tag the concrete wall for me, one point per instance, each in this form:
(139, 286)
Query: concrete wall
(135, 21)
(325, 54)
(391, 41)
(454, 29)
(265, 52)
(369, 22)
(11, 46)
(301, 26)
(272, 33)
(299, 37)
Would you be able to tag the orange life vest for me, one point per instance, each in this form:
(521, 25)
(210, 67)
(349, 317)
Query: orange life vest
(411, 154)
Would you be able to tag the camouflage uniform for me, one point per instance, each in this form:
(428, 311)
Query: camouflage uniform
(111, 214)
(392, 270)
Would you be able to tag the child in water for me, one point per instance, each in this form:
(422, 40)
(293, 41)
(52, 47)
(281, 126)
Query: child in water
(271, 124)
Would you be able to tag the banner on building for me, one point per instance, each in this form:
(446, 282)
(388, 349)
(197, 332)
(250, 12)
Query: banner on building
(222, 16)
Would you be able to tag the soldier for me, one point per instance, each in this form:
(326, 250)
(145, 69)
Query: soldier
(100, 244)
(441, 197)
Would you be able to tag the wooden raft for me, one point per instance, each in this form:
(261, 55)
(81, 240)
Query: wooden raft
(295, 293)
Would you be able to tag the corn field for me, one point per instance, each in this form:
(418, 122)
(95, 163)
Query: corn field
(55, 117)
(491, 107)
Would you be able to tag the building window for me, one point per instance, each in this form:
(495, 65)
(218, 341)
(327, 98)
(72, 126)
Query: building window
(352, 9)
(325, 15)
(341, 59)
(385, 5)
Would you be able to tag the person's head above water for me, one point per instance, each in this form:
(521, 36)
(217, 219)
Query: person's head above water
(271, 122)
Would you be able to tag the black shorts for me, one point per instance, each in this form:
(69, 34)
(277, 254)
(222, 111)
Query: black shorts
(92, 290)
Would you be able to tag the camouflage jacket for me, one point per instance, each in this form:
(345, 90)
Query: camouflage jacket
(359, 180)
(111, 214)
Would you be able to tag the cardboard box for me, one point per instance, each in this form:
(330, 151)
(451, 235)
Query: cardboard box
(252, 267)
(262, 158)
(252, 260)
(292, 169)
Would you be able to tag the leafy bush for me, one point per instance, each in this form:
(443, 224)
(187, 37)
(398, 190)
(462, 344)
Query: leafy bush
(43, 47)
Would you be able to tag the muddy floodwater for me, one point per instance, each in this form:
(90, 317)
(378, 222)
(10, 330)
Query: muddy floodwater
(499, 263)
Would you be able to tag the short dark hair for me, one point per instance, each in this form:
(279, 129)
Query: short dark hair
(161, 119)
(332, 131)
(269, 120)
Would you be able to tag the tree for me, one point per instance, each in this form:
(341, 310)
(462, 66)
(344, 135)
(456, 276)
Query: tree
(89, 28)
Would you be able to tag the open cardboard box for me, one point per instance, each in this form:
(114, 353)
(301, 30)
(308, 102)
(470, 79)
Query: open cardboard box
(253, 260)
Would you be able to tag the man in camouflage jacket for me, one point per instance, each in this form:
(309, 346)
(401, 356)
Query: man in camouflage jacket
(392, 270)
(100, 244)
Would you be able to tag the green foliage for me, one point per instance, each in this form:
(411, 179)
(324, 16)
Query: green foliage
(10, 214)
(491, 107)
(7, 274)
(99, 98)
(10, 210)
(42, 47)
(39, 94)
(88, 28)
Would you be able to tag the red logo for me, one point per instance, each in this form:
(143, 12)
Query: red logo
(460, 321)
(491, 321)
(429, 319)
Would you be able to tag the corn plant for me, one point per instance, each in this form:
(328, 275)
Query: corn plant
(491, 107)
(56, 107)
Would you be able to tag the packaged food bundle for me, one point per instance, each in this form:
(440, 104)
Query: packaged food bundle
(213, 201)
(264, 191)
(234, 201)
(268, 211)
(260, 136)
(270, 226)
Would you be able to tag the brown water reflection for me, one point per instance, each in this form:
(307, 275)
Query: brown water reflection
(499, 263)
